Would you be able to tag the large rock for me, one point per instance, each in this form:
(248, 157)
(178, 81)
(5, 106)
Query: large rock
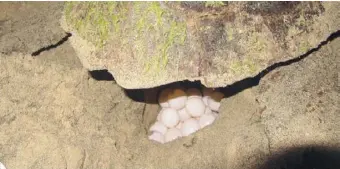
(147, 44)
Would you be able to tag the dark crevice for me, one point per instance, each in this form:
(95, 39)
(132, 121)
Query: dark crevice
(64, 39)
(101, 75)
(135, 94)
(138, 94)
(249, 82)
(303, 157)
(236, 87)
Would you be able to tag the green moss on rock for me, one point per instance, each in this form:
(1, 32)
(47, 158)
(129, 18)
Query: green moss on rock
(151, 29)
(214, 4)
(95, 21)
(246, 66)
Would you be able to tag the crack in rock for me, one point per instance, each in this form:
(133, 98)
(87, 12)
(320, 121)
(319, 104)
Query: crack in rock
(250, 82)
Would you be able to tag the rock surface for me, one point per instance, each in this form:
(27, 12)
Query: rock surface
(151, 44)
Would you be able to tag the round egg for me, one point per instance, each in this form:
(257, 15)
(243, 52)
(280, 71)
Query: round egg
(179, 125)
(207, 91)
(183, 114)
(163, 97)
(155, 136)
(190, 126)
(214, 100)
(217, 96)
(213, 105)
(207, 110)
(195, 107)
(159, 127)
(177, 99)
(193, 92)
(2, 166)
(215, 114)
(206, 119)
(172, 134)
(159, 116)
(205, 100)
(169, 117)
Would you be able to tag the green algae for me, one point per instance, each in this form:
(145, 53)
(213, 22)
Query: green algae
(94, 20)
(214, 4)
(152, 31)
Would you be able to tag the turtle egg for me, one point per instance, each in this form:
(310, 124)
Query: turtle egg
(159, 116)
(207, 91)
(205, 100)
(195, 107)
(2, 166)
(193, 92)
(163, 97)
(169, 117)
(214, 101)
(179, 125)
(172, 134)
(214, 105)
(215, 114)
(217, 96)
(159, 127)
(177, 99)
(183, 114)
(207, 110)
(206, 119)
(155, 136)
(190, 126)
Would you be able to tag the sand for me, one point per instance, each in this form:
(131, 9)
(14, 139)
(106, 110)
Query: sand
(54, 115)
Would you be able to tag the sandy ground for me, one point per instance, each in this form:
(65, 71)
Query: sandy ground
(54, 115)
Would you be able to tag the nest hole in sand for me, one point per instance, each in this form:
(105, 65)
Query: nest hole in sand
(178, 109)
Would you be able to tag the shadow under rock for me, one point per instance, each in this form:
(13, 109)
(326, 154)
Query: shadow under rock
(138, 95)
(101, 75)
(304, 157)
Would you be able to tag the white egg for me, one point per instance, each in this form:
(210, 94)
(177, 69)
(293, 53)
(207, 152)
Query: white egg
(155, 136)
(179, 125)
(164, 97)
(159, 116)
(159, 127)
(177, 99)
(206, 119)
(215, 114)
(193, 92)
(2, 166)
(183, 114)
(172, 134)
(178, 102)
(207, 110)
(215, 101)
(164, 104)
(207, 91)
(213, 105)
(205, 100)
(195, 107)
(190, 126)
(169, 117)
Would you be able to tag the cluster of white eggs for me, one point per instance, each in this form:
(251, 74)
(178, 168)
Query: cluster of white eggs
(2, 166)
(184, 112)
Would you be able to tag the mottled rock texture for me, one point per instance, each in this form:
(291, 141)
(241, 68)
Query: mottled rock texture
(148, 44)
